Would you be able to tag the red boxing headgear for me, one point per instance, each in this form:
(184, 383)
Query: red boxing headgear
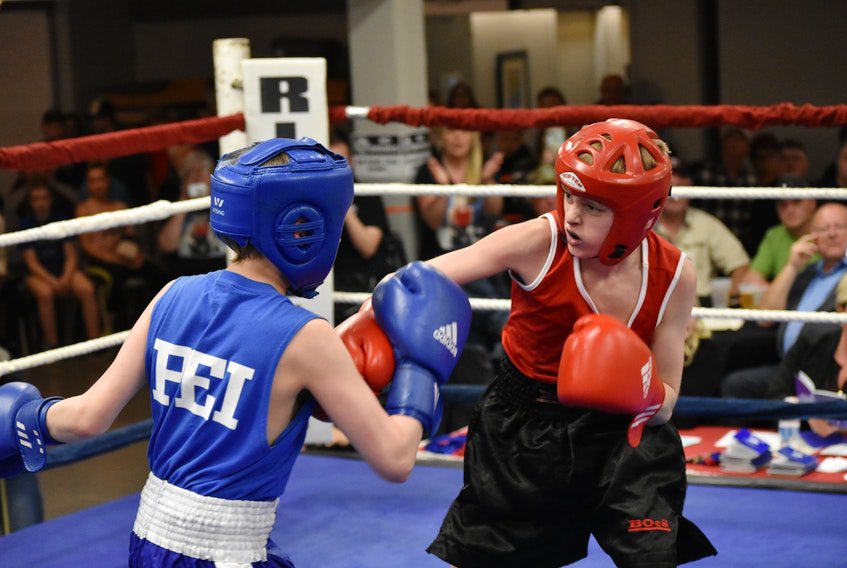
(636, 196)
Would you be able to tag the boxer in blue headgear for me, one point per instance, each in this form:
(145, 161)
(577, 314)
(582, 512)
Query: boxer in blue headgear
(288, 199)
(234, 368)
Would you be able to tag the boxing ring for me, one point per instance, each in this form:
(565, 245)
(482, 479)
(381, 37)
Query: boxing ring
(336, 512)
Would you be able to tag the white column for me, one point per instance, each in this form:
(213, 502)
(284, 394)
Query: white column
(388, 67)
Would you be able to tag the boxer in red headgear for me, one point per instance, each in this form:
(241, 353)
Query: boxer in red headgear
(558, 448)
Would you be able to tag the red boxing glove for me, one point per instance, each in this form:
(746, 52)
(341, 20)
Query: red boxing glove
(605, 366)
(369, 347)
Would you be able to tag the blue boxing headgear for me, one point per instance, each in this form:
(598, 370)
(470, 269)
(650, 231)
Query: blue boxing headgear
(292, 213)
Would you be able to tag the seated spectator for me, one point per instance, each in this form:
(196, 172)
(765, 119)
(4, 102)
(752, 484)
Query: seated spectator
(133, 170)
(822, 355)
(368, 249)
(187, 244)
(795, 216)
(446, 223)
(116, 189)
(55, 126)
(712, 247)
(15, 204)
(836, 174)
(115, 256)
(613, 90)
(799, 286)
(795, 160)
(732, 170)
(461, 95)
(52, 270)
(517, 166)
(449, 222)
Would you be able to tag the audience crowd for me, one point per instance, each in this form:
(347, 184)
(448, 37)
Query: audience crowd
(76, 288)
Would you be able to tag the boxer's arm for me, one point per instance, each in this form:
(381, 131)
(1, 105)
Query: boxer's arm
(316, 360)
(669, 340)
(94, 411)
(521, 248)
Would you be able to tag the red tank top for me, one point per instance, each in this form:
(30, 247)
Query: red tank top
(544, 311)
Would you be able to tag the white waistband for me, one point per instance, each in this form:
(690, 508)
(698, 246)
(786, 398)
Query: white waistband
(209, 528)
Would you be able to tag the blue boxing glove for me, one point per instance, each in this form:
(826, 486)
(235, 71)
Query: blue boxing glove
(23, 429)
(426, 317)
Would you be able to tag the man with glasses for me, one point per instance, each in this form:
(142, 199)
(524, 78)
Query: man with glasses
(802, 288)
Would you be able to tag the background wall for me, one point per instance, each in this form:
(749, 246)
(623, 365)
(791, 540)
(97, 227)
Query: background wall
(27, 87)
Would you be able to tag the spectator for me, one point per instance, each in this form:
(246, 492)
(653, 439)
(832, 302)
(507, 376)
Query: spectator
(461, 95)
(368, 249)
(795, 160)
(55, 126)
(766, 158)
(186, 242)
(114, 255)
(518, 164)
(733, 170)
(548, 140)
(822, 355)
(52, 270)
(613, 90)
(15, 205)
(132, 170)
(795, 216)
(707, 242)
(446, 223)
(116, 190)
(836, 173)
(799, 287)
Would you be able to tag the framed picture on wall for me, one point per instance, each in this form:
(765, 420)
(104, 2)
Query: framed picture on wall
(513, 80)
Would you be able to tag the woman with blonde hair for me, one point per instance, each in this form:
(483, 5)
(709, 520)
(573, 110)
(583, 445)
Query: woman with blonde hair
(449, 222)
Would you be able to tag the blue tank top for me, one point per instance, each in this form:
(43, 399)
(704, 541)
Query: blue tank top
(212, 350)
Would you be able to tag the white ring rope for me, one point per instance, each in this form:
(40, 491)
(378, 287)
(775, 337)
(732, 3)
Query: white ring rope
(63, 229)
(503, 305)
(61, 353)
(164, 209)
(692, 192)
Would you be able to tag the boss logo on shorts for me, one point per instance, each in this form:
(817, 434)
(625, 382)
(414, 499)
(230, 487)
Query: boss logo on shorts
(446, 335)
(641, 525)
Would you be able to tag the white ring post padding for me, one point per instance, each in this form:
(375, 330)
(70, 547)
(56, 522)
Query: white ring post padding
(227, 54)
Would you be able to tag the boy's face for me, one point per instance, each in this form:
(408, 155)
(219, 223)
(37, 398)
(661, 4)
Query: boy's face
(40, 202)
(587, 224)
(794, 213)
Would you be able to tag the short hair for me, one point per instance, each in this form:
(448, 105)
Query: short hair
(98, 164)
(793, 144)
(551, 91)
(248, 250)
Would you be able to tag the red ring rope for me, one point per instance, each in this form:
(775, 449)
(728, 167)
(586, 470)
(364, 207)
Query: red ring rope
(42, 155)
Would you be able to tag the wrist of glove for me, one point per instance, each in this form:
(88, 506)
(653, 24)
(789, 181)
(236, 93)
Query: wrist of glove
(32, 432)
(415, 393)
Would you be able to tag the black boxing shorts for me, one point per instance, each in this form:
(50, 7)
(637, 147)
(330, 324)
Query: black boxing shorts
(539, 478)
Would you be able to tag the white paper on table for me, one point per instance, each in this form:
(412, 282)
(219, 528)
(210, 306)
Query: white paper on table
(832, 465)
(835, 450)
(690, 440)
